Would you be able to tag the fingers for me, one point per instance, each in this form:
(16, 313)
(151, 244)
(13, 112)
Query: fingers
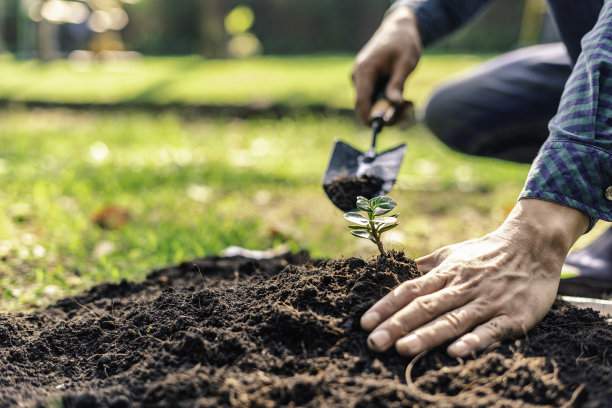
(496, 329)
(421, 312)
(364, 79)
(395, 87)
(448, 326)
(398, 298)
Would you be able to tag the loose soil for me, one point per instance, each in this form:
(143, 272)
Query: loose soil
(343, 192)
(284, 332)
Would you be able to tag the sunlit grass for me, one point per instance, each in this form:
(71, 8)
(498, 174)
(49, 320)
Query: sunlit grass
(193, 80)
(195, 187)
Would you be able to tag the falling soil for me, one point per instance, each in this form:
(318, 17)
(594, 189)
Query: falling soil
(234, 332)
(343, 192)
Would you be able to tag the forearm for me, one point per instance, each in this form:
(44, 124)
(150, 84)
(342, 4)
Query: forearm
(437, 18)
(574, 167)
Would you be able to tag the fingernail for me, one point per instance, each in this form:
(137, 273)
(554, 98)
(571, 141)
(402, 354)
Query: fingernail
(379, 340)
(460, 349)
(370, 320)
(411, 344)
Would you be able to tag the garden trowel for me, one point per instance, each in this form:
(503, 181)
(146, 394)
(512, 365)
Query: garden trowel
(351, 173)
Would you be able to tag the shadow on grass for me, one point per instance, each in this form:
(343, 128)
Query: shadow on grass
(152, 91)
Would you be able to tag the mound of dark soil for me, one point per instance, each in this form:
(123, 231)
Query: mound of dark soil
(343, 192)
(281, 332)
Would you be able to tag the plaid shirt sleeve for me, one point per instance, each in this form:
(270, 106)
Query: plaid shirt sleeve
(574, 166)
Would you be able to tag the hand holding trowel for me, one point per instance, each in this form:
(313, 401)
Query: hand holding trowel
(351, 173)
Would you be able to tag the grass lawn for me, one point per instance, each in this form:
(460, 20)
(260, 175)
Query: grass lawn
(195, 186)
(193, 80)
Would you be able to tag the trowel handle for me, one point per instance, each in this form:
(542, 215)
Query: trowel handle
(383, 111)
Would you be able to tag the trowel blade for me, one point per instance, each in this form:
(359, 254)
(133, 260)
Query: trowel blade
(385, 166)
(346, 161)
(342, 163)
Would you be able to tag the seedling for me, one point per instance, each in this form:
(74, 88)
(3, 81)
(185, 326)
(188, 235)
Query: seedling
(372, 226)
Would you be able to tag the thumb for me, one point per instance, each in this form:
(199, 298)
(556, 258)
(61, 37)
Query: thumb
(428, 262)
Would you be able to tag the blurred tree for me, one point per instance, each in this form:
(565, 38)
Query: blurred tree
(213, 37)
(295, 26)
(2, 25)
(48, 40)
(164, 27)
(279, 26)
(25, 38)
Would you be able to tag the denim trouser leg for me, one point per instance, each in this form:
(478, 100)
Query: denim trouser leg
(502, 109)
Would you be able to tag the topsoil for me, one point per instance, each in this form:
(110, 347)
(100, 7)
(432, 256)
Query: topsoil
(282, 332)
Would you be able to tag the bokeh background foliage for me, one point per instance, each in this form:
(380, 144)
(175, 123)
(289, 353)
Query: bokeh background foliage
(160, 27)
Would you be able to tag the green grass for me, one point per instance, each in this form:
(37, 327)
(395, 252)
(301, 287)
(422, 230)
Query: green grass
(196, 186)
(193, 80)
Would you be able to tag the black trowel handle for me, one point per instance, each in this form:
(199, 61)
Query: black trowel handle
(381, 112)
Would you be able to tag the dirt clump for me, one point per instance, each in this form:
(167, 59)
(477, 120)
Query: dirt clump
(343, 191)
(284, 332)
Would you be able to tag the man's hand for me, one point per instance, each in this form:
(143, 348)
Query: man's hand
(389, 57)
(483, 290)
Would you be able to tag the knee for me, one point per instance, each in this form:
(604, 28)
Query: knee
(447, 116)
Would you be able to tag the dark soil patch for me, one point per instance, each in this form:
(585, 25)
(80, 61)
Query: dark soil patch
(278, 333)
(343, 192)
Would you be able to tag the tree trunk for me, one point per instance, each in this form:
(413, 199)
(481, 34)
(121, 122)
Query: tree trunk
(2, 25)
(213, 36)
(48, 41)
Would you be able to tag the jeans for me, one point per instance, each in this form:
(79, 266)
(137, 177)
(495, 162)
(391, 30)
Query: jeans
(502, 109)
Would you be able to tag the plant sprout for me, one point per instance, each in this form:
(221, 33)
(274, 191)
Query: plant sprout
(372, 226)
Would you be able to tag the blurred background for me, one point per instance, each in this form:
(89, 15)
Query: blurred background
(48, 29)
(136, 134)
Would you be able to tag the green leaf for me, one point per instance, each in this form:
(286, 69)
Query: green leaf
(362, 234)
(385, 202)
(387, 228)
(385, 220)
(363, 204)
(380, 210)
(359, 227)
(356, 218)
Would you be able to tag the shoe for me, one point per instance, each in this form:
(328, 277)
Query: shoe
(588, 271)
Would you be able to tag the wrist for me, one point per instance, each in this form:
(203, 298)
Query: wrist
(400, 4)
(549, 226)
(403, 16)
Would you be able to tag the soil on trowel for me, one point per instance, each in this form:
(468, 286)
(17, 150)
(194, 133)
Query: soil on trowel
(283, 332)
(343, 192)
